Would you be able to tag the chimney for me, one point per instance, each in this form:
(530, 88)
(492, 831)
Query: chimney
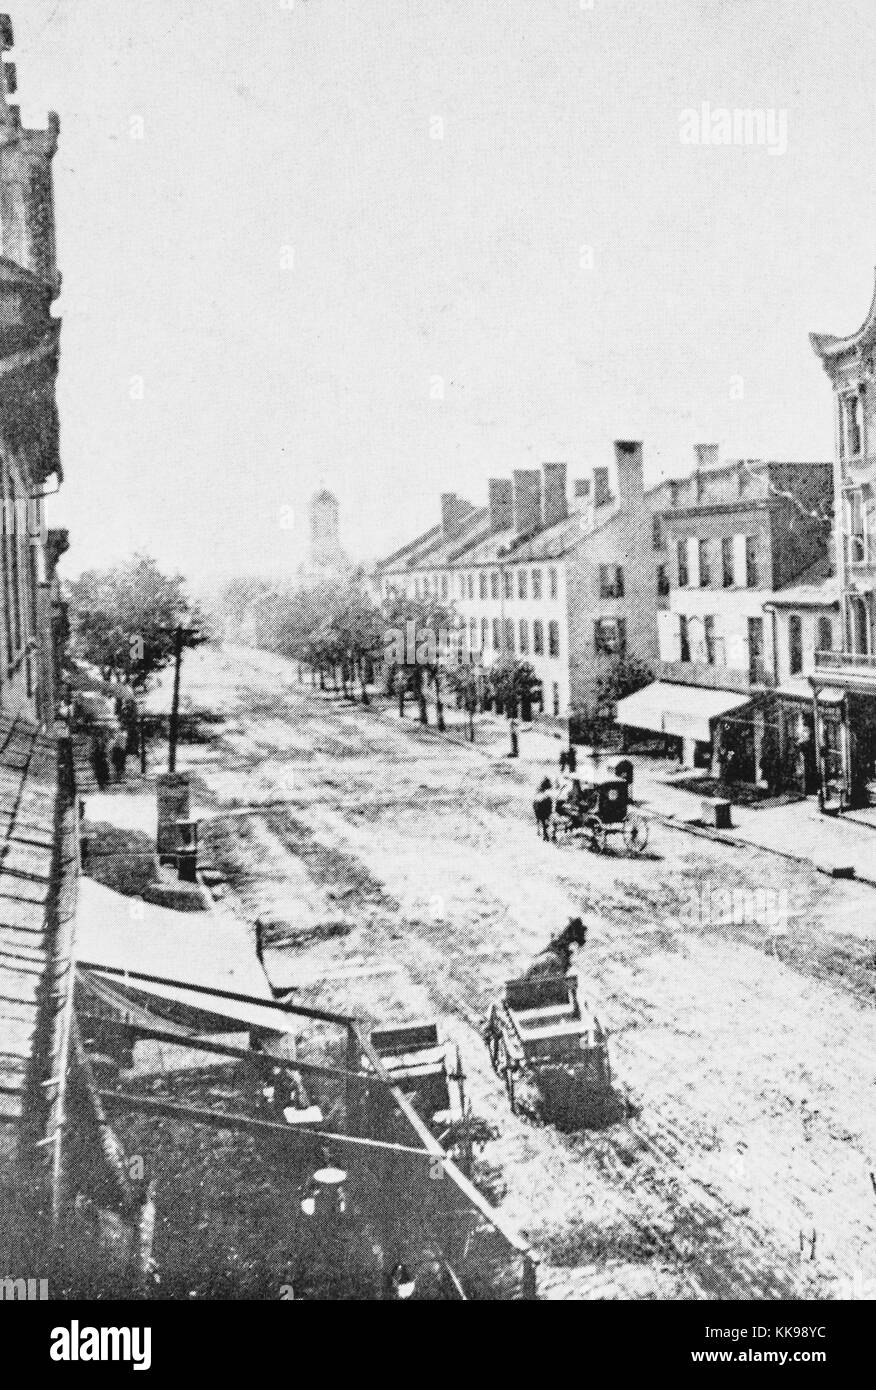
(554, 505)
(706, 456)
(601, 489)
(501, 504)
(630, 478)
(454, 513)
(527, 499)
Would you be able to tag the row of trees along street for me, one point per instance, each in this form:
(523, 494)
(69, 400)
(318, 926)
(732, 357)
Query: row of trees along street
(413, 647)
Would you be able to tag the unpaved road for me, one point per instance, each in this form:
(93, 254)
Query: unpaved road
(405, 878)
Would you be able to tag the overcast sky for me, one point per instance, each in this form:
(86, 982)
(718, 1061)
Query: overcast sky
(337, 206)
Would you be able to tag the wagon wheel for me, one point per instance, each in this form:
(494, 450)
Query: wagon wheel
(635, 833)
(598, 834)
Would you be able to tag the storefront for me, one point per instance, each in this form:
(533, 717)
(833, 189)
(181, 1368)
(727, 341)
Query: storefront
(845, 741)
(687, 713)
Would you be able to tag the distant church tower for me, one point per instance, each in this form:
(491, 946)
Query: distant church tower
(325, 540)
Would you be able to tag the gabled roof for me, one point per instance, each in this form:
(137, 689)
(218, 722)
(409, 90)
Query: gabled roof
(829, 347)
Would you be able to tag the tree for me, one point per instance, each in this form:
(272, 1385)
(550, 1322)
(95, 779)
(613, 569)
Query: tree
(420, 639)
(124, 619)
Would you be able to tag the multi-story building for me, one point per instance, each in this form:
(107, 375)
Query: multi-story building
(844, 681)
(36, 803)
(566, 587)
(738, 535)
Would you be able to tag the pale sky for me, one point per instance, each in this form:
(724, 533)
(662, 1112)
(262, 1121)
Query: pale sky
(289, 258)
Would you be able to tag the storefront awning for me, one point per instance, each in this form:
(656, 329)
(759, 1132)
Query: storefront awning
(686, 711)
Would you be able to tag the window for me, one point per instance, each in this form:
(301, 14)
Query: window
(483, 586)
(683, 638)
(681, 551)
(524, 637)
(709, 639)
(494, 585)
(416, 588)
(472, 635)
(470, 585)
(825, 634)
(536, 584)
(751, 561)
(509, 636)
(727, 562)
(509, 590)
(610, 636)
(657, 532)
(552, 583)
(611, 581)
(705, 571)
(662, 581)
(556, 700)
(795, 644)
(853, 425)
(538, 637)
(497, 636)
(521, 583)
(553, 639)
(444, 586)
(462, 586)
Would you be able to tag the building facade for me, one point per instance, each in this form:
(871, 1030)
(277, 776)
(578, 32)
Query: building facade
(38, 869)
(738, 537)
(566, 585)
(844, 681)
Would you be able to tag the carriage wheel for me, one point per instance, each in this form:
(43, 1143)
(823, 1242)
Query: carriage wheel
(598, 835)
(635, 833)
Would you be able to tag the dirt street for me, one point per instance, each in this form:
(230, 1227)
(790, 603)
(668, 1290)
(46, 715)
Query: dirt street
(400, 876)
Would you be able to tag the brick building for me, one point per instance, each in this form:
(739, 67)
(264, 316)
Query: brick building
(746, 549)
(566, 585)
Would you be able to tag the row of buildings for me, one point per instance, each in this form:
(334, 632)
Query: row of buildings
(38, 862)
(745, 588)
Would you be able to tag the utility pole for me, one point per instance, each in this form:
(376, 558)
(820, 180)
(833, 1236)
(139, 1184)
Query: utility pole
(174, 708)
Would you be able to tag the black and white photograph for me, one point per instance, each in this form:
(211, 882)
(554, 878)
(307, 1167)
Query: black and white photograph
(438, 664)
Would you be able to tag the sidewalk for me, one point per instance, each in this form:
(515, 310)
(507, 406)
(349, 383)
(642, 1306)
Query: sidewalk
(796, 831)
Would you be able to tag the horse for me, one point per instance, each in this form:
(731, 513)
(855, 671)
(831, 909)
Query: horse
(556, 958)
(543, 806)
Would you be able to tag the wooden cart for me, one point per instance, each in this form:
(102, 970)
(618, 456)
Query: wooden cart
(539, 1033)
(417, 1060)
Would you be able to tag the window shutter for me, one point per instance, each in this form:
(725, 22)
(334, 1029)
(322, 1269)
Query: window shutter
(693, 562)
(740, 566)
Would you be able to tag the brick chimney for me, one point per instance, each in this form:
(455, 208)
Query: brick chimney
(630, 474)
(27, 218)
(527, 499)
(706, 456)
(601, 489)
(554, 504)
(501, 504)
(454, 514)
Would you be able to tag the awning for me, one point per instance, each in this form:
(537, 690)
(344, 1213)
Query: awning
(686, 711)
(829, 695)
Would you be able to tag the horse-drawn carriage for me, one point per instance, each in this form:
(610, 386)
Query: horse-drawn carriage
(593, 811)
(540, 1034)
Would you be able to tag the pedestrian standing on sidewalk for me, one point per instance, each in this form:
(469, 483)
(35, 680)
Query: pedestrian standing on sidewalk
(564, 759)
(572, 759)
